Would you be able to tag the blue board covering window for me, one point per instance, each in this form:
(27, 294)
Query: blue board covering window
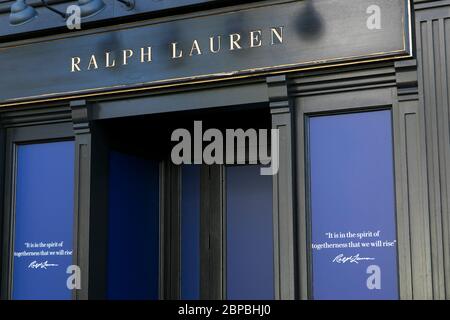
(250, 273)
(353, 206)
(190, 233)
(133, 255)
(43, 231)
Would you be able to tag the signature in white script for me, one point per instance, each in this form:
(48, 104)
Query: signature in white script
(351, 259)
(41, 265)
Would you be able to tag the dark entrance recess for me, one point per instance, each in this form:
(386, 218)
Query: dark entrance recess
(190, 231)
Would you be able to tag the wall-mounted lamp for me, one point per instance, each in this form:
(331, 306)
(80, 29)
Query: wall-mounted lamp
(60, 13)
(22, 13)
(90, 8)
(128, 3)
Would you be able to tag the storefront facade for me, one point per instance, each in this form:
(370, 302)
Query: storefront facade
(93, 206)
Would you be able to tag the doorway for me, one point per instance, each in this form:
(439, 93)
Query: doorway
(190, 231)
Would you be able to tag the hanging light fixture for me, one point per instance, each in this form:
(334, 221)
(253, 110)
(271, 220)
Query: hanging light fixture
(90, 8)
(60, 13)
(21, 13)
(128, 3)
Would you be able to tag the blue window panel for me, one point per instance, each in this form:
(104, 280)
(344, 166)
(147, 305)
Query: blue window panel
(43, 232)
(190, 233)
(250, 256)
(353, 204)
(133, 254)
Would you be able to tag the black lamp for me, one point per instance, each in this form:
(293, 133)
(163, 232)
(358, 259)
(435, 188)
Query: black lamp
(60, 13)
(128, 3)
(90, 8)
(21, 13)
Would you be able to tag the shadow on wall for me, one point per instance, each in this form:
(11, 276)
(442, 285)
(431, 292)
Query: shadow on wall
(310, 23)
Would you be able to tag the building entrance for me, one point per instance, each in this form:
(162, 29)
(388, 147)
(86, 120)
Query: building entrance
(191, 230)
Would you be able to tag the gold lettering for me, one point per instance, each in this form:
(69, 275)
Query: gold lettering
(93, 62)
(234, 41)
(211, 44)
(195, 47)
(76, 64)
(127, 54)
(176, 54)
(255, 39)
(110, 63)
(146, 56)
(277, 35)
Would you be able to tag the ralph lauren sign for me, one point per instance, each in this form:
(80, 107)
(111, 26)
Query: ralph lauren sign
(209, 46)
(214, 45)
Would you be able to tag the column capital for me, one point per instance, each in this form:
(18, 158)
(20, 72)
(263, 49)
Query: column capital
(81, 116)
(407, 79)
(278, 92)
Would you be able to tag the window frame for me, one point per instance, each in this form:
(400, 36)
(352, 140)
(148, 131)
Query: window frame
(14, 137)
(309, 213)
(329, 103)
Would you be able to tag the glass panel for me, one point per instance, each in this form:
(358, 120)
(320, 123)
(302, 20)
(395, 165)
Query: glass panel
(43, 221)
(249, 225)
(353, 206)
(133, 258)
(190, 233)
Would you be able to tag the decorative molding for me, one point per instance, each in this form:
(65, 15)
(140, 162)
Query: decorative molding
(81, 116)
(284, 189)
(344, 79)
(433, 46)
(277, 89)
(34, 115)
(407, 80)
(427, 4)
(91, 208)
(413, 217)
